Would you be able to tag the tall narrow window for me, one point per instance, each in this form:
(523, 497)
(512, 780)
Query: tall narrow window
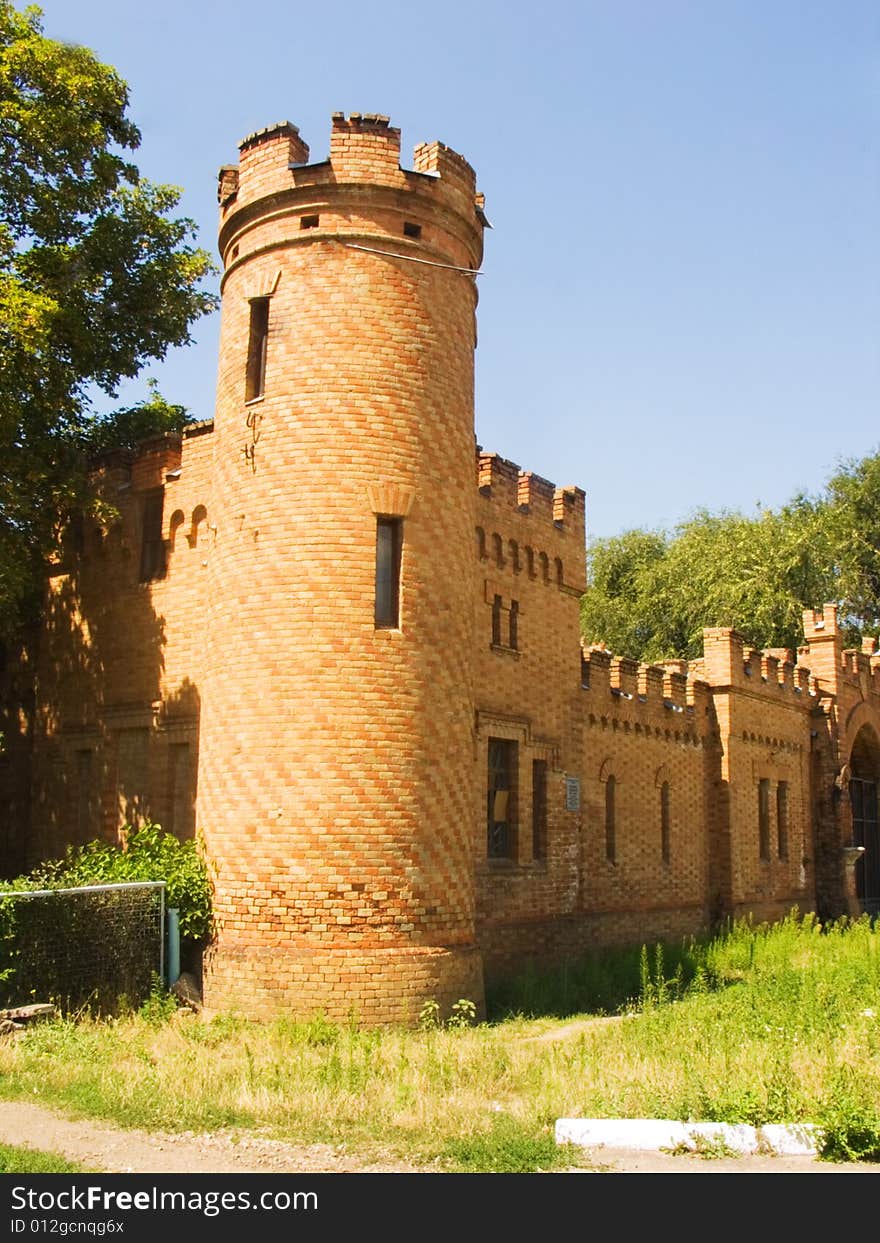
(782, 820)
(152, 544)
(764, 818)
(132, 777)
(85, 800)
(389, 544)
(501, 798)
(514, 625)
(496, 621)
(255, 380)
(539, 809)
(181, 791)
(610, 820)
(664, 822)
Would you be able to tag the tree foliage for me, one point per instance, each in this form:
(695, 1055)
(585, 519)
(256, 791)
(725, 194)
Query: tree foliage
(97, 277)
(149, 854)
(651, 593)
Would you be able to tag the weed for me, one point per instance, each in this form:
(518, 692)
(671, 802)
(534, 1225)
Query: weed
(18, 1159)
(509, 1147)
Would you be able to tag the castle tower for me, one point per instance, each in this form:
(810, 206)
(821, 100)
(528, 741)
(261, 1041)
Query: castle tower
(335, 789)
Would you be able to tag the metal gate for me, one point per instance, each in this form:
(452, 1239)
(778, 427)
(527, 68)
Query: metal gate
(863, 796)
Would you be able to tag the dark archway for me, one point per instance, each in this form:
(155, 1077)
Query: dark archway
(863, 786)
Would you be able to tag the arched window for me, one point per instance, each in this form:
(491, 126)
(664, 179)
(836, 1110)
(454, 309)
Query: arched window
(498, 549)
(481, 544)
(610, 820)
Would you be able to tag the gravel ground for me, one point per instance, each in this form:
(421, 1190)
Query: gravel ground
(101, 1146)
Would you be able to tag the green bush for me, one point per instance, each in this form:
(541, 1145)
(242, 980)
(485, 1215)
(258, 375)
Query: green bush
(149, 854)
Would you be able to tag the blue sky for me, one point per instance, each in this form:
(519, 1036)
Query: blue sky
(680, 304)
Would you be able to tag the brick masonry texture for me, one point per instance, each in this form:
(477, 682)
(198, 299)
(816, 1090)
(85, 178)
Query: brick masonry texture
(236, 685)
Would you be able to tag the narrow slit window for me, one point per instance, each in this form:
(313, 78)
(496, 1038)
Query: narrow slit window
(514, 625)
(389, 546)
(764, 819)
(782, 819)
(496, 621)
(501, 801)
(152, 543)
(255, 381)
(665, 823)
(539, 809)
(610, 820)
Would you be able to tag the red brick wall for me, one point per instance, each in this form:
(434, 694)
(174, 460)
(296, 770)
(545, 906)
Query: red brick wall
(335, 757)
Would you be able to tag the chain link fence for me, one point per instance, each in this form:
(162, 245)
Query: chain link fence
(94, 947)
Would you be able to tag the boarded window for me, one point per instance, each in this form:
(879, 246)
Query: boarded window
(389, 548)
(501, 799)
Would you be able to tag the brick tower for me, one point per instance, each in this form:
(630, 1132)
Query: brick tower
(336, 791)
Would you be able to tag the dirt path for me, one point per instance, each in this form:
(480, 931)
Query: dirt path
(99, 1146)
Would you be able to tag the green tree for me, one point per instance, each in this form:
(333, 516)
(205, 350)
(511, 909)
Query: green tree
(853, 520)
(650, 595)
(97, 277)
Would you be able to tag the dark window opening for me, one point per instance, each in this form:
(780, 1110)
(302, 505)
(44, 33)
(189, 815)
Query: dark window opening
(309, 222)
(389, 546)
(255, 381)
(665, 822)
(782, 820)
(411, 230)
(496, 621)
(152, 543)
(539, 809)
(514, 625)
(85, 796)
(501, 810)
(610, 820)
(764, 819)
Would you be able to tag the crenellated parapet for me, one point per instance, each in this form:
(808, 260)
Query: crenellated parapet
(526, 523)
(728, 662)
(667, 700)
(275, 198)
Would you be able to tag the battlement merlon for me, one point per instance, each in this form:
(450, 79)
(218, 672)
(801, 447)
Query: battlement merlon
(504, 482)
(662, 691)
(825, 646)
(364, 148)
(729, 662)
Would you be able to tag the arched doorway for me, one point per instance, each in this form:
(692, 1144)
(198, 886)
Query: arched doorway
(864, 780)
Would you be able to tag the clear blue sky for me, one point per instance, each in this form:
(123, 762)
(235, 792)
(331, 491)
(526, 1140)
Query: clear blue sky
(680, 304)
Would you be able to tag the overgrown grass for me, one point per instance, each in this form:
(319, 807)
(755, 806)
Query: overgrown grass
(760, 1025)
(17, 1159)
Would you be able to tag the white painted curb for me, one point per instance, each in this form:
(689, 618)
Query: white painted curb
(655, 1134)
